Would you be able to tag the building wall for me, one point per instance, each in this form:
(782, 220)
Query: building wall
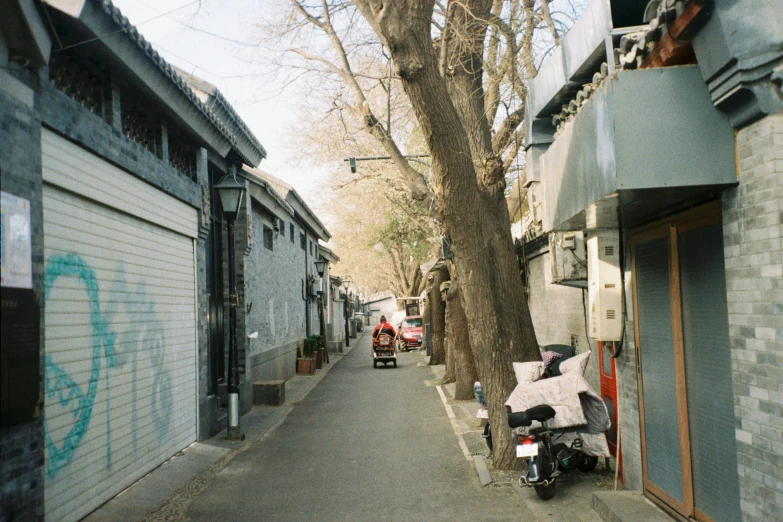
(385, 307)
(22, 446)
(753, 228)
(558, 313)
(338, 319)
(628, 392)
(273, 284)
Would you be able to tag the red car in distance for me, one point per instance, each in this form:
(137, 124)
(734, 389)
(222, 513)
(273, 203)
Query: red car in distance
(410, 332)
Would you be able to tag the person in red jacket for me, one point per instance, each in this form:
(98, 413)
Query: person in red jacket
(383, 327)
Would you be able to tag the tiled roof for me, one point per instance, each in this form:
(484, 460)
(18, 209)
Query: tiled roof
(123, 23)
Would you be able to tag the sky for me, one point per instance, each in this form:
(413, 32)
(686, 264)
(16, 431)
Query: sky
(180, 31)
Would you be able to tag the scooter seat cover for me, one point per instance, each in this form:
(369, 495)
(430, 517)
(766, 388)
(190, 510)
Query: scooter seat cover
(541, 413)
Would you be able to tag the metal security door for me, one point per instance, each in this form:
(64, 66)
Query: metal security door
(689, 455)
(120, 330)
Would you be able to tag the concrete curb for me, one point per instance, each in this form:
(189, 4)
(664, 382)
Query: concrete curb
(482, 472)
(481, 468)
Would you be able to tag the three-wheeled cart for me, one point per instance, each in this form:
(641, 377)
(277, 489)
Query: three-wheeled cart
(383, 350)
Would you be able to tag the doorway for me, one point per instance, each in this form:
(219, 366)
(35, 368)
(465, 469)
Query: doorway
(689, 456)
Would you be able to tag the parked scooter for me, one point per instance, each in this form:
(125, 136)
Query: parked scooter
(547, 459)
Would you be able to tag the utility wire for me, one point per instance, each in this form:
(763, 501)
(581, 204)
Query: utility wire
(125, 29)
(204, 31)
(197, 66)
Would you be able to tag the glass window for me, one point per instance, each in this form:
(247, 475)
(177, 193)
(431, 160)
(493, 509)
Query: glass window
(414, 322)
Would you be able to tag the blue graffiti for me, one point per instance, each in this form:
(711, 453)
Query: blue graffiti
(118, 350)
(58, 382)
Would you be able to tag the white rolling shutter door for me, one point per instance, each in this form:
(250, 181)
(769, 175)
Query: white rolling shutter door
(120, 328)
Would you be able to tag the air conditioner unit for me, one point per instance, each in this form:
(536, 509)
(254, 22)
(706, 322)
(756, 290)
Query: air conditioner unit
(568, 258)
(604, 285)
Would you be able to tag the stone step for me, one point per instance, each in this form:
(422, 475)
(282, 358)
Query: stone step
(627, 506)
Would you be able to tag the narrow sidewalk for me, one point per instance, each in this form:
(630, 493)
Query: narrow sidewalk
(165, 492)
(574, 500)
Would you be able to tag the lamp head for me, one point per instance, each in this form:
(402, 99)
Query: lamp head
(320, 266)
(230, 192)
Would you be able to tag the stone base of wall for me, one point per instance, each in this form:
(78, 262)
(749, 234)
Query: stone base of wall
(276, 364)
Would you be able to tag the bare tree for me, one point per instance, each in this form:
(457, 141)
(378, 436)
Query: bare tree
(447, 93)
(463, 68)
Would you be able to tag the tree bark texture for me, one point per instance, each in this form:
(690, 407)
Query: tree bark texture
(459, 349)
(448, 343)
(501, 329)
(437, 317)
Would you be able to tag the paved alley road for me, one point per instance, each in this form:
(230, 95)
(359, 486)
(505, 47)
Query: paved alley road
(365, 444)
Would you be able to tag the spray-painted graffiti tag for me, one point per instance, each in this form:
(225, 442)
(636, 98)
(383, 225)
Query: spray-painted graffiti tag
(119, 350)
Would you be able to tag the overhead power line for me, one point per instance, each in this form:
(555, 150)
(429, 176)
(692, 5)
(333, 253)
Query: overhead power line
(125, 29)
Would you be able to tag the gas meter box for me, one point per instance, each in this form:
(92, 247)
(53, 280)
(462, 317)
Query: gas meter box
(604, 285)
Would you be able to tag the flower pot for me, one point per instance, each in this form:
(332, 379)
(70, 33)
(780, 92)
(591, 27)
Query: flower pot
(319, 359)
(305, 366)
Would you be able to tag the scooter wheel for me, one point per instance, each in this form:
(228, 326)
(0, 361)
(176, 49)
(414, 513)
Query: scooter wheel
(588, 464)
(375, 364)
(545, 492)
(488, 436)
(395, 364)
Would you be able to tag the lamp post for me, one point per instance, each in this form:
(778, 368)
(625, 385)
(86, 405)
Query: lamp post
(345, 311)
(320, 267)
(231, 193)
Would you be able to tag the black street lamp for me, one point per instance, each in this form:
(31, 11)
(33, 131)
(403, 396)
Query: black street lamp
(231, 193)
(320, 267)
(346, 311)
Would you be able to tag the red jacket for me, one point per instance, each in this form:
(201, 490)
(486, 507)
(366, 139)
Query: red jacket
(384, 328)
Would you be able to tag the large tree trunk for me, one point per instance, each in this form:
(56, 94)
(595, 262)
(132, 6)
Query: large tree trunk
(501, 329)
(448, 343)
(460, 350)
(437, 308)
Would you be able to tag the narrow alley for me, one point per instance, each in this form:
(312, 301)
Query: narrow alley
(365, 444)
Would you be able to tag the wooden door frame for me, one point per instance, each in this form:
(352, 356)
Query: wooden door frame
(669, 228)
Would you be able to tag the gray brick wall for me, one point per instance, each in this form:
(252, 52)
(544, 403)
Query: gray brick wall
(273, 284)
(753, 231)
(558, 313)
(628, 392)
(67, 117)
(22, 446)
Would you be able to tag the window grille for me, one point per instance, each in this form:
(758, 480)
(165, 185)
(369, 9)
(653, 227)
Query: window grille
(79, 80)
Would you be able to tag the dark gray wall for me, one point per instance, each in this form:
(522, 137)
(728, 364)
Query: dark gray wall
(22, 446)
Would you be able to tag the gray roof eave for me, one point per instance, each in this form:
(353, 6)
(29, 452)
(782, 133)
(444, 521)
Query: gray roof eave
(266, 196)
(328, 254)
(308, 216)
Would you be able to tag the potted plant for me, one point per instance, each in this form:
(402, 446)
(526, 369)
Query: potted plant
(318, 343)
(305, 363)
